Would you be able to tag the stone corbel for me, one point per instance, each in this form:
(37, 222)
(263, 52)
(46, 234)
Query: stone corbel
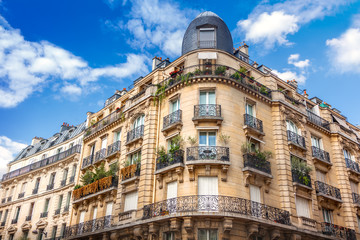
(113, 195)
(275, 234)
(207, 170)
(179, 171)
(86, 205)
(138, 232)
(105, 236)
(114, 236)
(227, 224)
(188, 226)
(247, 176)
(191, 172)
(267, 184)
(100, 200)
(160, 180)
(154, 230)
(253, 229)
(224, 171)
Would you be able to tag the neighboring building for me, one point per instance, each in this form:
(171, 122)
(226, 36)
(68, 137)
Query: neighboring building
(36, 191)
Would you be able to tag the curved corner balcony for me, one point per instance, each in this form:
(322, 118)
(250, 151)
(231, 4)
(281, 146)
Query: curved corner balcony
(208, 154)
(216, 205)
(135, 134)
(207, 113)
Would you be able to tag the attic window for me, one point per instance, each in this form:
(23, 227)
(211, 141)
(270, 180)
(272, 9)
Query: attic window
(207, 38)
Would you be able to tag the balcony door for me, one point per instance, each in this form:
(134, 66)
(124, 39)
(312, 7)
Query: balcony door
(250, 109)
(81, 222)
(255, 197)
(207, 103)
(208, 200)
(171, 196)
(207, 145)
(94, 219)
(316, 142)
(292, 127)
(138, 122)
(174, 105)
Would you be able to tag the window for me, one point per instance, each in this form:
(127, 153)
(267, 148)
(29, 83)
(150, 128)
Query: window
(207, 38)
(41, 234)
(207, 97)
(82, 216)
(109, 206)
(358, 219)
(94, 213)
(5, 215)
(316, 142)
(43, 156)
(255, 194)
(12, 191)
(135, 157)
(207, 185)
(131, 200)
(117, 136)
(348, 155)
(17, 213)
(169, 236)
(31, 209)
(52, 178)
(62, 231)
(46, 206)
(138, 122)
(302, 207)
(292, 127)
(172, 190)
(103, 143)
(321, 176)
(53, 233)
(37, 183)
(354, 187)
(65, 174)
(23, 187)
(207, 139)
(11, 237)
(60, 201)
(207, 234)
(250, 109)
(73, 170)
(174, 105)
(92, 149)
(1, 212)
(327, 215)
(71, 145)
(68, 198)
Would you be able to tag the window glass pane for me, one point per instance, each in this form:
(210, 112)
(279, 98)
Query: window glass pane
(212, 97)
(203, 98)
(202, 138)
(174, 105)
(249, 109)
(207, 35)
(212, 139)
(213, 234)
(202, 234)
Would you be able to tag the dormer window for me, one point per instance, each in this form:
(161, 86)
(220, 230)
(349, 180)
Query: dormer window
(207, 38)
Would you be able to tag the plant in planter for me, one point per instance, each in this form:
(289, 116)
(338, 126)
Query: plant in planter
(88, 132)
(224, 139)
(77, 186)
(220, 70)
(192, 140)
(174, 73)
(243, 70)
(185, 78)
(207, 72)
(207, 63)
(263, 90)
(197, 72)
(161, 153)
(301, 169)
(87, 178)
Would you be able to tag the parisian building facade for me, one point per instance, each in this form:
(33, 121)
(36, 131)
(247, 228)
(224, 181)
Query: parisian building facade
(211, 146)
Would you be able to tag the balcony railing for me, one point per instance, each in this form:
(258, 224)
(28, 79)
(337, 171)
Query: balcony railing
(14, 221)
(172, 118)
(21, 195)
(43, 214)
(338, 231)
(87, 161)
(134, 134)
(99, 155)
(97, 186)
(216, 204)
(317, 120)
(63, 183)
(42, 163)
(50, 186)
(28, 218)
(217, 70)
(207, 44)
(112, 117)
(130, 171)
(88, 226)
(296, 139)
(207, 111)
(356, 198)
(320, 154)
(252, 161)
(57, 211)
(112, 99)
(352, 165)
(139, 94)
(301, 179)
(253, 122)
(170, 159)
(212, 153)
(35, 190)
(113, 148)
(327, 190)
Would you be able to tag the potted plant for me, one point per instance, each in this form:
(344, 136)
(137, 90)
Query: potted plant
(220, 70)
(252, 79)
(301, 169)
(162, 156)
(197, 72)
(263, 90)
(207, 63)
(117, 109)
(174, 73)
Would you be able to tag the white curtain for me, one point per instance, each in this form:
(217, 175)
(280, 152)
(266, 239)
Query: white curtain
(109, 207)
(82, 216)
(103, 143)
(302, 207)
(94, 213)
(255, 193)
(131, 200)
(208, 186)
(172, 190)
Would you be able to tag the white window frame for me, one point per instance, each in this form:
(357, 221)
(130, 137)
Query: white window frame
(207, 138)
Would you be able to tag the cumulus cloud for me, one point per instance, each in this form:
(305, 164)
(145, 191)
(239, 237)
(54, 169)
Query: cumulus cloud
(290, 75)
(25, 67)
(294, 60)
(271, 24)
(8, 150)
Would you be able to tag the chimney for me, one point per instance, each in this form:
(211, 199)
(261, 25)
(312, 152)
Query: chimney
(245, 49)
(155, 62)
(293, 83)
(36, 140)
(65, 126)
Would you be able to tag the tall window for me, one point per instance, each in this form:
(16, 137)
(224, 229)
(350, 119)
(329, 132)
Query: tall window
(5, 215)
(109, 207)
(174, 105)
(207, 138)
(135, 157)
(68, 198)
(46, 206)
(62, 231)
(354, 187)
(207, 38)
(53, 233)
(131, 200)
(207, 185)
(117, 136)
(92, 149)
(37, 183)
(52, 178)
(73, 170)
(316, 142)
(255, 193)
(327, 215)
(169, 236)
(171, 190)
(138, 122)
(348, 155)
(60, 201)
(207, 97)
(103, 143)
(17, 213)
(250, 109)
(23, 187)
(207, 234)
(302, 207)
(321, 176)
(65, 174)
(292, 127)
(31, 209)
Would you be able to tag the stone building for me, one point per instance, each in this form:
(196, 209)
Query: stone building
(36, 191)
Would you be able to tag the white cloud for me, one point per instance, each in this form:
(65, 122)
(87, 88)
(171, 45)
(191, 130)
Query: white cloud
(26, 67)
(294, 60)
(271, 24)
(289, 75)
(8, 150)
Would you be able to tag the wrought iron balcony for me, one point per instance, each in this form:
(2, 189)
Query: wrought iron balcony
(88, 226)
(112, 117)
(354, 166)
(99, 155)
(317, 120)
(87, 161)
(28, 218)
(172, 119)
(66, 208)
(130, 171)
(338, 231)
(21, 195)
(216, 204)
(139, 94)
(9, 199)
(210, 153)
(134, 134)
(72, 179)
(43, 214)
(57, 211)
(320, 154)
(50, 186)
(296, 139)
(327, 190)
(207, 111)
(301, 178)
(207, 44)
(356, 198)
(35, 190)
(253, 122)
(3, 200)
(113, 148)
(95, 187)
(63, 183)
(170, 159)
(252, 161)
(42, 163)
(14, 221)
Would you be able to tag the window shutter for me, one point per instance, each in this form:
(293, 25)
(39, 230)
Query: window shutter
(131, 200)
(255, 195)
(109, 207)
(208, 186)
(82, 216)
(172, 190)
(302, 207)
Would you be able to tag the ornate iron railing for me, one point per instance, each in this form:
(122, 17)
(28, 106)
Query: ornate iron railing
(303, 179)
(208, 153)
(112, 117)
(50, 186)
(134, 134)
(292, 100)
(172, 118)
(296, 138)
(252, 161)
(43, 214)
(130, 171)
(207, 44)
(21, 195)
(87, 161)
(338, 231)
(113, 148)
(327, 190)
(170, 159)
(99, 155)
(320, 154)
(42, 163)
(216, 204)
(356, 198)
(207, 111)
(253, 122)
(352, 165)
(88, 226)
(217, 70)
(142, 92)
(317, 120)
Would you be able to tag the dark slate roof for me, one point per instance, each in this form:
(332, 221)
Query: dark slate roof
(56, 139)
(206, 19)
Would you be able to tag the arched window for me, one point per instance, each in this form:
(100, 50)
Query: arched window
(348, 155)
(138, 121)
(291, 126)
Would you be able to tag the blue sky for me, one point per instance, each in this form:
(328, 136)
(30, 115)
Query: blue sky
(61, 59)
